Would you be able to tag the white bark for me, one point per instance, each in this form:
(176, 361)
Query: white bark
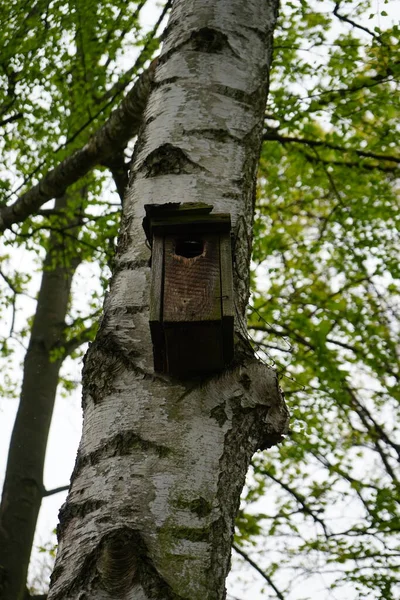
(162, 462)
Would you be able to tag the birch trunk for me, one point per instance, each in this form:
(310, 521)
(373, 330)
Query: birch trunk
(162, 462)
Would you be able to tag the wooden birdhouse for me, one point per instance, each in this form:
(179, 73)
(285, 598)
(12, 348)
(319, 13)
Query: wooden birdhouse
(191, 298)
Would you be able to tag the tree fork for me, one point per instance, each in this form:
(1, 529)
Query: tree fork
(162, 462)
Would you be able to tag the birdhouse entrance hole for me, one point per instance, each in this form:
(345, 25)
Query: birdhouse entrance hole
(189, 247)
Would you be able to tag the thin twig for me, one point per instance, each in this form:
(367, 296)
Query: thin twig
(259, 570)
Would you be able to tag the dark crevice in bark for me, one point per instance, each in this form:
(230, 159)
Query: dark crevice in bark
(218, 413)
(74, 510)
(221, 135)
(127, 310)
(106, 351)
(120, 562)
(209, 40)
(130, 265)
(246, 98)
(164, 82)
(122, 444)
(168, 159)
(124, 236)
(200, 507)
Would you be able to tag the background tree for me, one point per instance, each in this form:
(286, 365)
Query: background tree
(327, 213)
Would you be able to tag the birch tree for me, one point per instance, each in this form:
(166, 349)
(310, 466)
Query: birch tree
(325, 241)
(162, 461)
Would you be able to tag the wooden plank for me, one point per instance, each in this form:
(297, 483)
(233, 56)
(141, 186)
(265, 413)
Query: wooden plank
(192, 285)
(156, 295)
(156, 287)
(185, 222)
(194, 348)
(227, 298)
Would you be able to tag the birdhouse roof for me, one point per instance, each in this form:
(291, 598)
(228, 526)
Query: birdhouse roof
(176, 217)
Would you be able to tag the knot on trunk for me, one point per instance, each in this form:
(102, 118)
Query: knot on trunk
(118, 560)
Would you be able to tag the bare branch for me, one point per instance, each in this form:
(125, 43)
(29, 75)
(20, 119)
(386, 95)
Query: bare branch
(275, 136)
(300, 499)
(11, 119)
(57, 490)
(353, 23)
(259, 570)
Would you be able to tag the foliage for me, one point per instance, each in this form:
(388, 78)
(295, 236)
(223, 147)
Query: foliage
(325, 312)
(326, 273)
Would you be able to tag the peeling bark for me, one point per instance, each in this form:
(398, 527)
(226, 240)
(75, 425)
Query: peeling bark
(162, 461)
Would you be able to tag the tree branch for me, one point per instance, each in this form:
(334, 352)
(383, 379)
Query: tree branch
(350, 165)
(112, 137)
(57, 490)
(260, 571)
(300, 500)
(119, 171)
(274, 136)
(84, 336)
(353, 23)
(11, 119)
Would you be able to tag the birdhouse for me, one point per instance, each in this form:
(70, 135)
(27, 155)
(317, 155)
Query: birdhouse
(191, 297)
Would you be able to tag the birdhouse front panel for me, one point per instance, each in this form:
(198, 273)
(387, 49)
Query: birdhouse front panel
(192, 280)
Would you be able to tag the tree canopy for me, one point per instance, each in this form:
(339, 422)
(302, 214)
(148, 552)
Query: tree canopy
(324, 310)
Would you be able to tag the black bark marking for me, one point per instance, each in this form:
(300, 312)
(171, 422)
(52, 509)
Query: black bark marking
(121, 444)
(72, 510)
(118, 561)
(246, 98)
(124, 237)
(218, 413)
(245, 381)
(57, 571)
(200, 507)
(127, 310)
(220, 135)
(168, 159)
(191, 533)
(106, 358)
(130, 265)
(123, 561)
(209, 40)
